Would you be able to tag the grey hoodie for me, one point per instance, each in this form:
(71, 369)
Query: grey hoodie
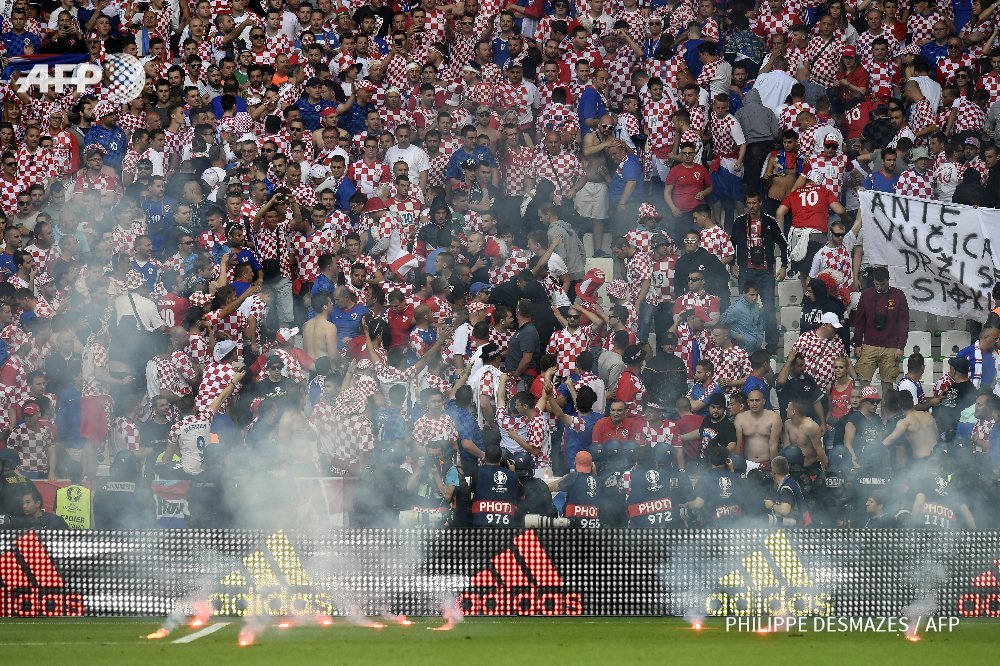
(758, 122)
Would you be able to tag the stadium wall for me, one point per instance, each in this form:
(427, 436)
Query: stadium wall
(502, 572)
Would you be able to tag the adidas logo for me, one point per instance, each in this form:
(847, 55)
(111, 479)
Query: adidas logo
(986, 603)
(769, 581)
(30, 584)
(272, 581)
(521, 580)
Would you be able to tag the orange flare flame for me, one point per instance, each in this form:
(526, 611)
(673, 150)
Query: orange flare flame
(162, 632)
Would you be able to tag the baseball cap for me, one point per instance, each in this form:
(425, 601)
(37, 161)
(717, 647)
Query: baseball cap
(634, 354)
(285, 334)
(328, 111)
(849, 52)
(972, 141)
(477, 287)
(275, 360)
(491, 351)
(830, 318)
(222, 349)
(960, 364)
(717, 400)
(870, 393)
(584, 462)
(30, 409)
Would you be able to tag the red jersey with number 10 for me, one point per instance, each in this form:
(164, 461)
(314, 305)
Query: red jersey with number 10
(810, 206)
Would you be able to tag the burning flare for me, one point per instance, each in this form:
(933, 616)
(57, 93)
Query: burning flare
(246, 637)
(451, 613)
(401, 620)
(202, 614)
(162, 632)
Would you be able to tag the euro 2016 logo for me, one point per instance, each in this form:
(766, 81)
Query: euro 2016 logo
(123, 83)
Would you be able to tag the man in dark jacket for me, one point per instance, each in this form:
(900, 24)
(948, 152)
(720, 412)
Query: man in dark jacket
(697, 258)
(971, 192)
(755, 236)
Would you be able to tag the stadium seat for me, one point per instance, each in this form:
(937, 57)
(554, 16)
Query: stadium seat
(789, 293)
(789, 339)
(951, 324)
(919, 321)
(918, 341)
(588, 246)
(952, 341)
(791, 317)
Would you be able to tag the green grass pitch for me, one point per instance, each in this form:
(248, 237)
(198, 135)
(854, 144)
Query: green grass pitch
(479, 642)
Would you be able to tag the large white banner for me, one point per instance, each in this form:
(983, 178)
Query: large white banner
(940, 254)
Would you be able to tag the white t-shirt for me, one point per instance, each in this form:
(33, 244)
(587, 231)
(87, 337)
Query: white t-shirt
(192, 436)
(414, 156)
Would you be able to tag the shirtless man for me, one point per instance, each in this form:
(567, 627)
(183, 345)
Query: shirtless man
(319, 334)
(916, 427)
(758, 430)
(594, 195)
(803, 432)
(781, 171)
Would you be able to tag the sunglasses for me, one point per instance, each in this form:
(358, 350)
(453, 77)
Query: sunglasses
(695, 279)
(256, 36)
(186, 243)
(690, 241)
(687, 154)
(837, 235)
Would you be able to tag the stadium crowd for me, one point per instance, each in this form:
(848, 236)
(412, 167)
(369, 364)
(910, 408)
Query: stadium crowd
(482, 255)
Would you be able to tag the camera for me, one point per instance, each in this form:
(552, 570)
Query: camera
(533, 520)
(413, 518)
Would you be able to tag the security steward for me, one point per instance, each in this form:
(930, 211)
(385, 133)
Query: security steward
(75, 503)
(582, 501)
(656, 492)
(494, 491)
(717, 495)
(13, 484)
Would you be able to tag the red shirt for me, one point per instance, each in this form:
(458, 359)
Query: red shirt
(173, 309)
(629, 430)
(687, 183)
(690, 423)
(859, 116)
(859, 78)
(400, 326)
(810, 206)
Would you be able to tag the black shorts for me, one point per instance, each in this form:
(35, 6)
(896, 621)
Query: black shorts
(805, 265)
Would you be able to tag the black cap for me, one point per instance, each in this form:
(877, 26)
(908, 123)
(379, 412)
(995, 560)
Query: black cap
(634, 354)
(717, 400)
(491, 351)
(961, 364)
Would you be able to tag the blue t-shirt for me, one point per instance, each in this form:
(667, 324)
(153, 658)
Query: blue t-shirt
(479, 154)
(591, 106)
(630, 171)
(754, 383)
(879, 183)
(700, 392)
(581, 441)
(348, 323)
